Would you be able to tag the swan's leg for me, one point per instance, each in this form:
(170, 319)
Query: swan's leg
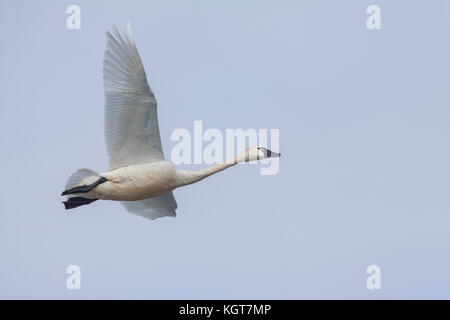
(76, 202)
(85, 189)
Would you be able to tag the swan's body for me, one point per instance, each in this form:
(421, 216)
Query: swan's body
(139, 176)
(131, 183)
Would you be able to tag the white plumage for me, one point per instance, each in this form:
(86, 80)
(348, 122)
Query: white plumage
(139, 176)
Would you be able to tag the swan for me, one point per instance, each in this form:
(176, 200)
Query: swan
(139, 176)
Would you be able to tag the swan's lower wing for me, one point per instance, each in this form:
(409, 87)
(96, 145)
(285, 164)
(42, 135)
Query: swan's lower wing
(161, 206)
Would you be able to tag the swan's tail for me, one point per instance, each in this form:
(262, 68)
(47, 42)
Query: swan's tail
(81, 181)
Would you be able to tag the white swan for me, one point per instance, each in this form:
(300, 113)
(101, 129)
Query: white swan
(139, 176)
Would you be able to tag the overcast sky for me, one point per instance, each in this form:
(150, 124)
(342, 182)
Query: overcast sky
(364, 132)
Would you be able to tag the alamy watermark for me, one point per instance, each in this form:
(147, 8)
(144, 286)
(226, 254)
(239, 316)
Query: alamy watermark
(73, 21)
(211, 146)
(73, 281)
(374, 19)
(374, 280)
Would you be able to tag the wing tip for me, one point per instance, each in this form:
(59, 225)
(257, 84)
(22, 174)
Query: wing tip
(122, 32)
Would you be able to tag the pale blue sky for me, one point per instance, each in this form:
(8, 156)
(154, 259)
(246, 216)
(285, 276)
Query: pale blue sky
(364, 131)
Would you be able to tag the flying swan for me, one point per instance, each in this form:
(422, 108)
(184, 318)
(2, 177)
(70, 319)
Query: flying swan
(139, 175)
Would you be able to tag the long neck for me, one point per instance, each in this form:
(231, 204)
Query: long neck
(188, 177)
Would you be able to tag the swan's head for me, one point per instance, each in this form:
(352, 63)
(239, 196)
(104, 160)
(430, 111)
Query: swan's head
(259, 153)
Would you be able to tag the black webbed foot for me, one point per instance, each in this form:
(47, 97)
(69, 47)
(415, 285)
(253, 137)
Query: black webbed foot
(84, 189)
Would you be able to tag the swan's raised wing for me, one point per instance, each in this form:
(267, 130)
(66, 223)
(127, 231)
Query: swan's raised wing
(161, 206)
(131, 121)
